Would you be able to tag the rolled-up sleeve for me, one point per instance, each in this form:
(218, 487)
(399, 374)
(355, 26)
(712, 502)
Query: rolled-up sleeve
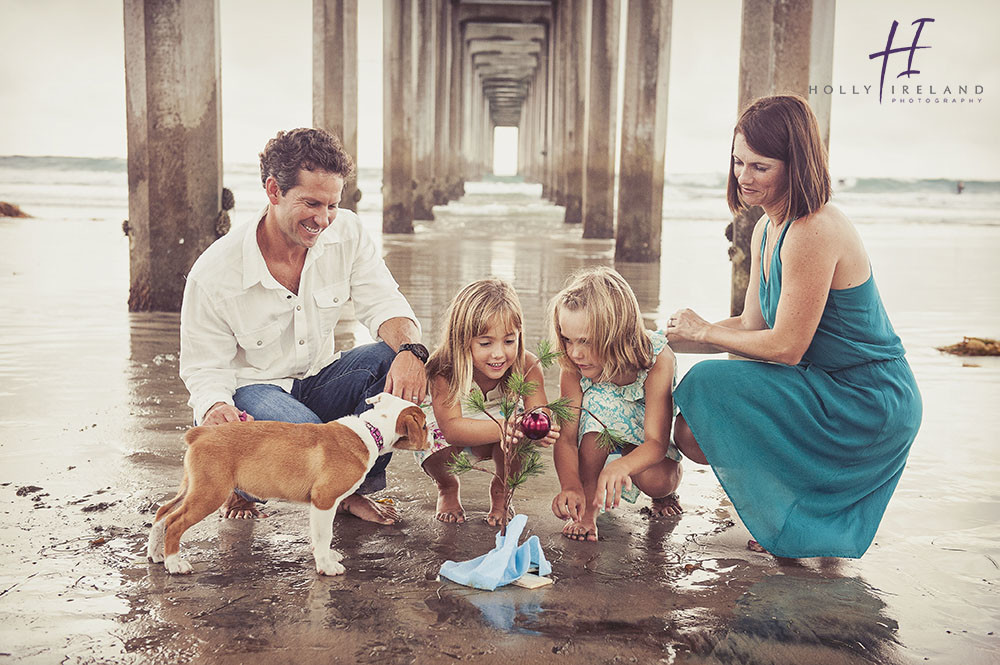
(375, 293)
(208, 349)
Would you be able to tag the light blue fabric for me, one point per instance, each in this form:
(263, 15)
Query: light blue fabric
(810, 454)
(503, 564)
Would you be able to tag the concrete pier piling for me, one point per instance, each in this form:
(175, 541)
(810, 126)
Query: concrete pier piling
(397, 104)
(602, 103)
(173, 118)
(335, 79)
(644, 131)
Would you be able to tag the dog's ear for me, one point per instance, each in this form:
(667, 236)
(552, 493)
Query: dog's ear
(412, 424)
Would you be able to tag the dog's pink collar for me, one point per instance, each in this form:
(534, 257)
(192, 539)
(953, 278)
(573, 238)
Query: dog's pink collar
(377, 435)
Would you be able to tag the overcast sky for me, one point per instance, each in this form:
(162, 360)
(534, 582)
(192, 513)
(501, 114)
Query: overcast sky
(62, 83)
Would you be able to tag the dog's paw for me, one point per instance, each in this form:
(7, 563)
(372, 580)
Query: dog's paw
(175, 565)
(154, 547)
(337, 556)
(329, 566)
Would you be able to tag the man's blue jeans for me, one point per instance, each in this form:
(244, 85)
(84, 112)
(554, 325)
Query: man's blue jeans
(337, 390)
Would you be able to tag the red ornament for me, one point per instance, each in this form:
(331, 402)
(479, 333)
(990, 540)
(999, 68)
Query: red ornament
(535, 425)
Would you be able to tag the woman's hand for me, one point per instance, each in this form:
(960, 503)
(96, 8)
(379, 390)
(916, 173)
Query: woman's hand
(569, 503)
(686, 325)
(613, 480)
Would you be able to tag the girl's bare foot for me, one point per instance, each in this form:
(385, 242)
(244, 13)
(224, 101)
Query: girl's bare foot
(449, 506)
(496, 513)
(238, 508)
(754, 546)
(666, 506)
(580, 530)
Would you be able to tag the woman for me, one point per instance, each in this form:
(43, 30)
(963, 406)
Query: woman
(810, 444)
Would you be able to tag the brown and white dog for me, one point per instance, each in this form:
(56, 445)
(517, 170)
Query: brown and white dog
(315, 464)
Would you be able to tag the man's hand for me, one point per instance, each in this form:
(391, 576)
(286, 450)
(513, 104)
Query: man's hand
(407, 378)
(220, 413)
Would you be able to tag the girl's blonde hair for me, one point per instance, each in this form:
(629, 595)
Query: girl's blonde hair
(617, 336)
(469, 315)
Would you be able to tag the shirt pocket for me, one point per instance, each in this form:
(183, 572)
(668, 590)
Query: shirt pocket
(262, 346)
(330, 301)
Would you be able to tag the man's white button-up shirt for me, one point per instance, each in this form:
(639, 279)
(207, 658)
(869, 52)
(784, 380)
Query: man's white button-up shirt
(240, 326)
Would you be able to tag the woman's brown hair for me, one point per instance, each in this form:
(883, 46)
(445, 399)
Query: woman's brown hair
(784, 127)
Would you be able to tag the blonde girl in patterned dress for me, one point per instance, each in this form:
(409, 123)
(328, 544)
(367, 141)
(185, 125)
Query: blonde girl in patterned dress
(483, 343)
(623, 375)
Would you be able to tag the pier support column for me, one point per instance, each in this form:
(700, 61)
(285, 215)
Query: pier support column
(441, 140)
(173, 119)
(576, 105)
(425, 96)
(335, 79)
(644, 131)
(602, 102)
(456, 165)
(397, 105)
(549, 180)
(800, 37)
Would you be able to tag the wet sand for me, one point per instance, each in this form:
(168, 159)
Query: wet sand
(91, 420)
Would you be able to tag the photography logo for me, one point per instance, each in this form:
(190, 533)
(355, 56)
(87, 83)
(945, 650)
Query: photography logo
(902, 54)
(889, 50)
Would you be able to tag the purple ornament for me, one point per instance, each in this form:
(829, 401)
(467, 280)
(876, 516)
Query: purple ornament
(535, 425)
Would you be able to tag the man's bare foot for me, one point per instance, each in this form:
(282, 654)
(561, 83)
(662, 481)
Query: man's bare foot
(449, 506)
(496, 513)
(238, 508)
(370, 511)
(754, 546)
(580, 531)
(666, 506)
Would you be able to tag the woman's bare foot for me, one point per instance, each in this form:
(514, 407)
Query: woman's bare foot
(238, 508)
(496, 513)
(754, 546)
(449, 505)
(666, 506)
(580, 530)
(370, 511)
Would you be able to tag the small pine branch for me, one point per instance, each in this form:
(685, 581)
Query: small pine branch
(610, 440)
(461, 463)
(546, 356)
(476, 401)
(508, 406)
(531, 465)
(519, 386)
(561, 411)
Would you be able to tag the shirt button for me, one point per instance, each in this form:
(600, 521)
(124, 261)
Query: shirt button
(298, 308)
(336, 300)
(260, 342)
(301, 342)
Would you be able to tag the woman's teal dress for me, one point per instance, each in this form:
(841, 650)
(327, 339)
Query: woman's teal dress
(810, 454)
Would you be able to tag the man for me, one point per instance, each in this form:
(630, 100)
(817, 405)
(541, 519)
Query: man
(261, 304)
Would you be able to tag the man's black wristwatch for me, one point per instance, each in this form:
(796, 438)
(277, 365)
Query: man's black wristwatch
(419, 350)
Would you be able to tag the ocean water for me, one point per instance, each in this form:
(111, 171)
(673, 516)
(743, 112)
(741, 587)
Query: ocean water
(87, 188)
